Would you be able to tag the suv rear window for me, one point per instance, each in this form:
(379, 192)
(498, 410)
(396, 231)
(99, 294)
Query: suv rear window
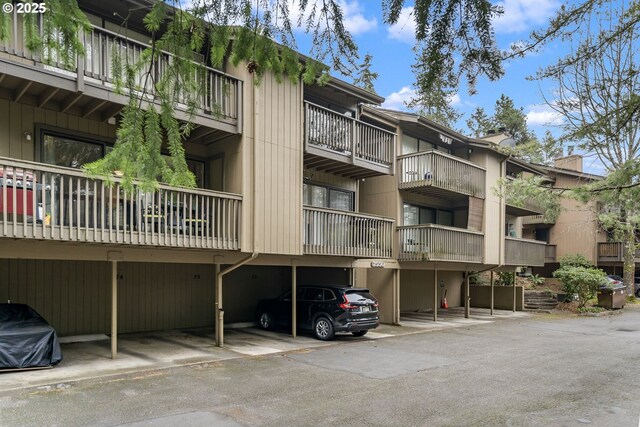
(355, 295)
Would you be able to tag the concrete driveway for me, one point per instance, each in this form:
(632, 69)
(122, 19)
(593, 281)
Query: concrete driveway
(169, 349)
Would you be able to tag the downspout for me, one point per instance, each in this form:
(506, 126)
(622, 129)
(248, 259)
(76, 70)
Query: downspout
(219, 276)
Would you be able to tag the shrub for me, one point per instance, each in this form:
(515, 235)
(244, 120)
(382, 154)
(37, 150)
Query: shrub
(505, 278)
(581, 281)
(574, 260)
(536, 280)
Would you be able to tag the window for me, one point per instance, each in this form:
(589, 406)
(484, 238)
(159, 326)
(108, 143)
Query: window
(327, 197)
(70, 152)
(416, 215)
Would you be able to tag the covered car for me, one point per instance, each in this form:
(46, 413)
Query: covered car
(26, 339)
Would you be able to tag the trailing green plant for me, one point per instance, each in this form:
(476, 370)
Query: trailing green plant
(592, 309)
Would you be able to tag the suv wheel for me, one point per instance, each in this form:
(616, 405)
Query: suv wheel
(323, 329)
(266, 321)
(638, 293)
(360, 333)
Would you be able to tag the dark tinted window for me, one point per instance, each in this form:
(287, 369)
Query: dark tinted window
(329, 295)
(358, 296)
(313, 294)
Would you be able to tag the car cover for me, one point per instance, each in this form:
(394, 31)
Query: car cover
(26, 339)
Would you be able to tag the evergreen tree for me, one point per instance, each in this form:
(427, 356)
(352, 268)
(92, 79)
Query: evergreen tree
(365, 78)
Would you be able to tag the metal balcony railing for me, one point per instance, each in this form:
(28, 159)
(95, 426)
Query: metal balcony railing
(524, 252)
(46, 202)
(431, 242)
(352, 139)
(440, 170)
(333, 232)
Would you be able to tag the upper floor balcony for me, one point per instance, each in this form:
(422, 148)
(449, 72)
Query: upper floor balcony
(535, 220)
(88, 84)
(44, 202)
(432, 242)
(437, 173)
(342, 233)
(345, 146)
(524, 252)
(613, 252)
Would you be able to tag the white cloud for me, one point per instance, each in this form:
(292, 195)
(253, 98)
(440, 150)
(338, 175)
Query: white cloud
(455, 100)
(543, 115)
(521, 15)
(354, 20)
(398, 100)
(405, 29)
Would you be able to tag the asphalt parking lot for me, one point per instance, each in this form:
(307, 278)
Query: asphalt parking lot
(167, 349)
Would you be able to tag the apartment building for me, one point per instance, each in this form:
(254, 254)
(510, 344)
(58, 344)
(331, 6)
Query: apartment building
(450, 218)
(296, 184)
(576, 230)
(278, 168)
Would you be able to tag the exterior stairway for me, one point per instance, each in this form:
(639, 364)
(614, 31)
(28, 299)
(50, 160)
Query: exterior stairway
(540, 301)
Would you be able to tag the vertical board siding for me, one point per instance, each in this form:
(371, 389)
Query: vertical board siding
(416, 289)
(279, 178)
(75, 296)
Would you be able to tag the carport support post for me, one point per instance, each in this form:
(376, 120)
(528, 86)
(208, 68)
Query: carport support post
(467, 300)
(435, 294)
(492, 292)
(294, 303)
(218, 306)
(514, 291)
(114, 309)
(396, 296)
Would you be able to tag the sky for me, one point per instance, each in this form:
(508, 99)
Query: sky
(391, 48)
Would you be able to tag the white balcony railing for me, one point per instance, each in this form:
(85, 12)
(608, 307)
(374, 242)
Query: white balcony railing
(333, 232)
(219, 93)
(431, 242)
(524, 252)
(45, 202)
(440, 170)
(348, 137)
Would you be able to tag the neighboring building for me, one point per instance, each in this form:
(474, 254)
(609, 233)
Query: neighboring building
(297, 184)
(577, 229)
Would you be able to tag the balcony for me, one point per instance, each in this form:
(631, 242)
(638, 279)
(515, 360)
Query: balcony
(613, 252)
(524, 252)
(89, 84)
(431, 242)
(536, 220)
(45, 202)
(440, 174)
(345, 146)
(341, 233)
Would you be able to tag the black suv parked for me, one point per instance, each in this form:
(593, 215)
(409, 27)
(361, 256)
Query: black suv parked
(324, 310)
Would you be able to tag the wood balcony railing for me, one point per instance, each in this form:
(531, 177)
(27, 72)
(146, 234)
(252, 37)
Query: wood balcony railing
(218, 97)
(613, 252)
(535, 219)
(524, 252)
(335, 136)
(550, 253)
(333, 232)
(431, 242)
(442, 171)
(46, 202)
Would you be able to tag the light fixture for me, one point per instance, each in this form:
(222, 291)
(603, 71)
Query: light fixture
(27, 136)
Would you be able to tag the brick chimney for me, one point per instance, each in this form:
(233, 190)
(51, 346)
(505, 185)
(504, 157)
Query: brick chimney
(572, 162)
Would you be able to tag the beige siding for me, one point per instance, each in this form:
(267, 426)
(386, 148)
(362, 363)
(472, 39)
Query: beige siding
(75, 296)
(275, 110)
(576, 229)
(380, 283)
(416, 289)
(16, 119)
(493, 207)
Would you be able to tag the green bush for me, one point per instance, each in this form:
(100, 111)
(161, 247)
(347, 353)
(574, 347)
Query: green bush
(504, 278)
(536, 280)
(574, 260)
(581, 281)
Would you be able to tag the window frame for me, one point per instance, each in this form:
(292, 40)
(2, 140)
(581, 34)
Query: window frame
(330, 188)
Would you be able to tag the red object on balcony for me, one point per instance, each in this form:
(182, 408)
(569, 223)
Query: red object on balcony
(20, 194)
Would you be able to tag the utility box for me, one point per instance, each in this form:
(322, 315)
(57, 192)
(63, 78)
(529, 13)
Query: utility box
(612, 298)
